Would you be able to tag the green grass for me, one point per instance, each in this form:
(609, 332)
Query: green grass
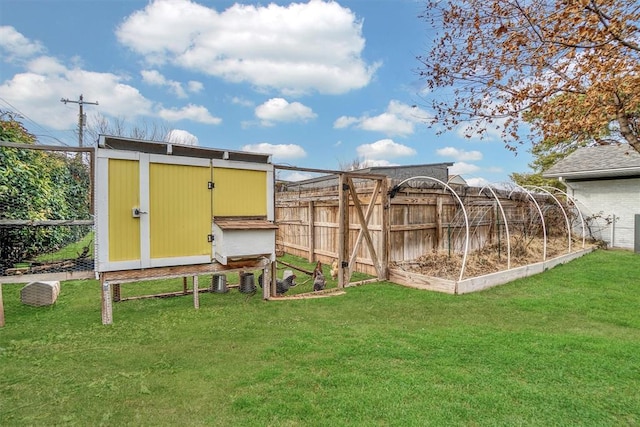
(560, 348)
(71, 251)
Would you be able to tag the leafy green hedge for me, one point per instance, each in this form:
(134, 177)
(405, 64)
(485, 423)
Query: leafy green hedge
(37, 185)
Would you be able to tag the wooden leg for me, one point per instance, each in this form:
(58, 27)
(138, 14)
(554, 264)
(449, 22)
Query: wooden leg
(274, 277)
(107, 306)
(1, 308)
(196, 293)
(185, 288)
(116, 292)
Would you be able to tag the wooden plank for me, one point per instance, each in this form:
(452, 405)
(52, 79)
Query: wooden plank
(128, 276)
(43, 222)
(239, 224)
(70, 275)
(310, 295)
(419, 281)
(414, 227)
(166, 294)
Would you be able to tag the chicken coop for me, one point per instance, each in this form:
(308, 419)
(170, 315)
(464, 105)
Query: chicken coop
(168, 210)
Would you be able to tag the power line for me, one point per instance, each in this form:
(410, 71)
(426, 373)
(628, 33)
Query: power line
(81, 116)
(46, 133)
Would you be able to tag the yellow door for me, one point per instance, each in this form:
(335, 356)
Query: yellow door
(124, 194)
(179, 211)
(240, 192)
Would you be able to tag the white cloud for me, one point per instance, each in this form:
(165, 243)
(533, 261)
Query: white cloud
(179, 136)
(462, 168)
(46, 65)
(297, 176)
(40, 89)
(194, 86)
(344, 121)
(398, 120)
(460, 155)
(369, 163)
(237, 100)
(297, 48)
(280, 110)
(384, 149)
(155, 78)
(16, 45)
(280, 151)
(195, 113)
(477, 182)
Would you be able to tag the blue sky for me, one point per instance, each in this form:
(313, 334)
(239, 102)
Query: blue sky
(317, 84)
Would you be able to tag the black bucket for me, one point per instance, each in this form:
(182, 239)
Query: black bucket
(247, 283)
(219, 284)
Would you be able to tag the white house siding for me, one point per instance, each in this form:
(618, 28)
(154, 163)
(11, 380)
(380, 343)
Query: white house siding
(618, 199)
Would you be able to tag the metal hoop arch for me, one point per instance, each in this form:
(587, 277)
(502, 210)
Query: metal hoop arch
(544, 227)
(506, 223)
(573, 201)
(464, 212)
(566, 218)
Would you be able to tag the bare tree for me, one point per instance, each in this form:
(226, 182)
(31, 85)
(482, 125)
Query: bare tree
(152, 131)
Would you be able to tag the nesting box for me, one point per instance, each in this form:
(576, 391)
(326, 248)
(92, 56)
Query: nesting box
(156, 204)
(40, 293)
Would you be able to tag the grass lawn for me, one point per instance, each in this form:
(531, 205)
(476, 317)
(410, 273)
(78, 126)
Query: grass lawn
(560, 348)
(71, 251)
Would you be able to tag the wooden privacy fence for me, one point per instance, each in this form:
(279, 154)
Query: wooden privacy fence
(339, 221)
(404, 225)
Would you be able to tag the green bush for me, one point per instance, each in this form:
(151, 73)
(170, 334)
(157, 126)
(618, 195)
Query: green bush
(37, 185)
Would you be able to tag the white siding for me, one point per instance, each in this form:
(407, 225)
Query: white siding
(619, 198)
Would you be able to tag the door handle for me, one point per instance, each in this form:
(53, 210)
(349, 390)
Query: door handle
(136, 212)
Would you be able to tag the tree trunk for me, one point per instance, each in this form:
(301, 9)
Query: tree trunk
(626, 132)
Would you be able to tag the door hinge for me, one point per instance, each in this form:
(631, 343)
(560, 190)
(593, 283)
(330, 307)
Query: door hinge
(210, 238)
(210, 185)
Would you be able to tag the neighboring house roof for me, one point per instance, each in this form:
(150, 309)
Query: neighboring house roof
(457, 179)
(435, 170)
(603, 161)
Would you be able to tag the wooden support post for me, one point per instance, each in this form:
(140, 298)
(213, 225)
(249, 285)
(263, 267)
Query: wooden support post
(116, 292)
(312, 232)
(385, 205)
(1, 308)
(196, 293)
(185, 288)
(274, 277)
(266, 279)
(438, 244)
(343, 231)
(107, 306)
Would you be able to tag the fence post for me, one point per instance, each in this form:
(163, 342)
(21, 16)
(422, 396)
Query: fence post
(343, 231)
(1, 308)
(312, 232)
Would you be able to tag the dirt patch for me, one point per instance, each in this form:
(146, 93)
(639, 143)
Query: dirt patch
(490, 259)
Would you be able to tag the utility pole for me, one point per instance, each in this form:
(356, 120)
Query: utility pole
(81, 116)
